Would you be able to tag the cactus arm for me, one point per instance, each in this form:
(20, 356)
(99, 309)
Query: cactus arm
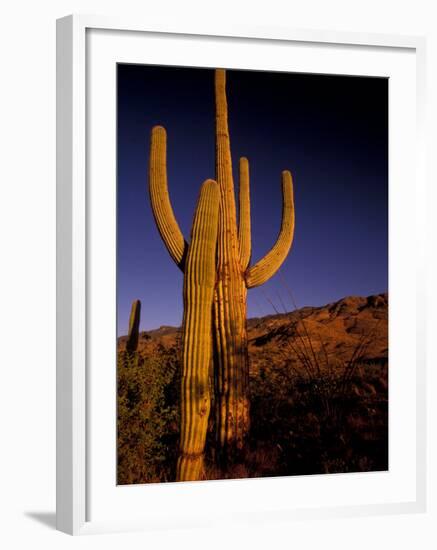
(199, 283)
(162, 210)
(244, 234)
(134, 325)
(263, 270)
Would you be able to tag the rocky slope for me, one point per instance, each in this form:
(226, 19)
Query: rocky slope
(331, 334)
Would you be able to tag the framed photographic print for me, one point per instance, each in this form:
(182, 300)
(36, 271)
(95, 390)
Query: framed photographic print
(240, 326)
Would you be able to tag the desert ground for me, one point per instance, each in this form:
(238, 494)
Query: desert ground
(318, 393)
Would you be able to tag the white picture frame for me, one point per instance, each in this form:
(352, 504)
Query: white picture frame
(74, 462)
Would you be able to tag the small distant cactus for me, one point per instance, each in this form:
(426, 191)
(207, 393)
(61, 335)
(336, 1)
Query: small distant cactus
(215, 315)
(134, 326)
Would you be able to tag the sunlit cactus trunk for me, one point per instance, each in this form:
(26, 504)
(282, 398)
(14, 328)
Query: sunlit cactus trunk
(199, 283)
(216, 279)
(230, 342)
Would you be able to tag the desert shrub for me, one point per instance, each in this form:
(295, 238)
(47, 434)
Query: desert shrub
(147, 416)
(271, 401)
(328, 423)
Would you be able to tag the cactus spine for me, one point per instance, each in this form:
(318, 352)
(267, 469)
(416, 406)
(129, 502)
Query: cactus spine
(232, 278)
(134, 325)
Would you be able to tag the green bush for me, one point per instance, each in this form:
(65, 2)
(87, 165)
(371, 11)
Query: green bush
(147, 416)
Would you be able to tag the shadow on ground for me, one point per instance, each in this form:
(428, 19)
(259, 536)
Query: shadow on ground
(45, 518)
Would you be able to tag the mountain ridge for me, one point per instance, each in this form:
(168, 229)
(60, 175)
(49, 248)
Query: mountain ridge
(334, 329)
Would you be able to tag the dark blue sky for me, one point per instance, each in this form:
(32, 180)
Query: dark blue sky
(330, 131)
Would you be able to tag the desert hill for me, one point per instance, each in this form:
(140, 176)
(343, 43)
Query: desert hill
(331, 332)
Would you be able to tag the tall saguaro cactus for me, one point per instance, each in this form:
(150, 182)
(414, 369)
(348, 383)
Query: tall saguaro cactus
(230, 336)
(198, 262)
(233, 276)
(199, 282)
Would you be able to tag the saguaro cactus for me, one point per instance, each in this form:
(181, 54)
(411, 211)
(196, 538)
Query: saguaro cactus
(134, 325)
(233, 275)
(230, 338)
(199, 282)
(198, 262)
